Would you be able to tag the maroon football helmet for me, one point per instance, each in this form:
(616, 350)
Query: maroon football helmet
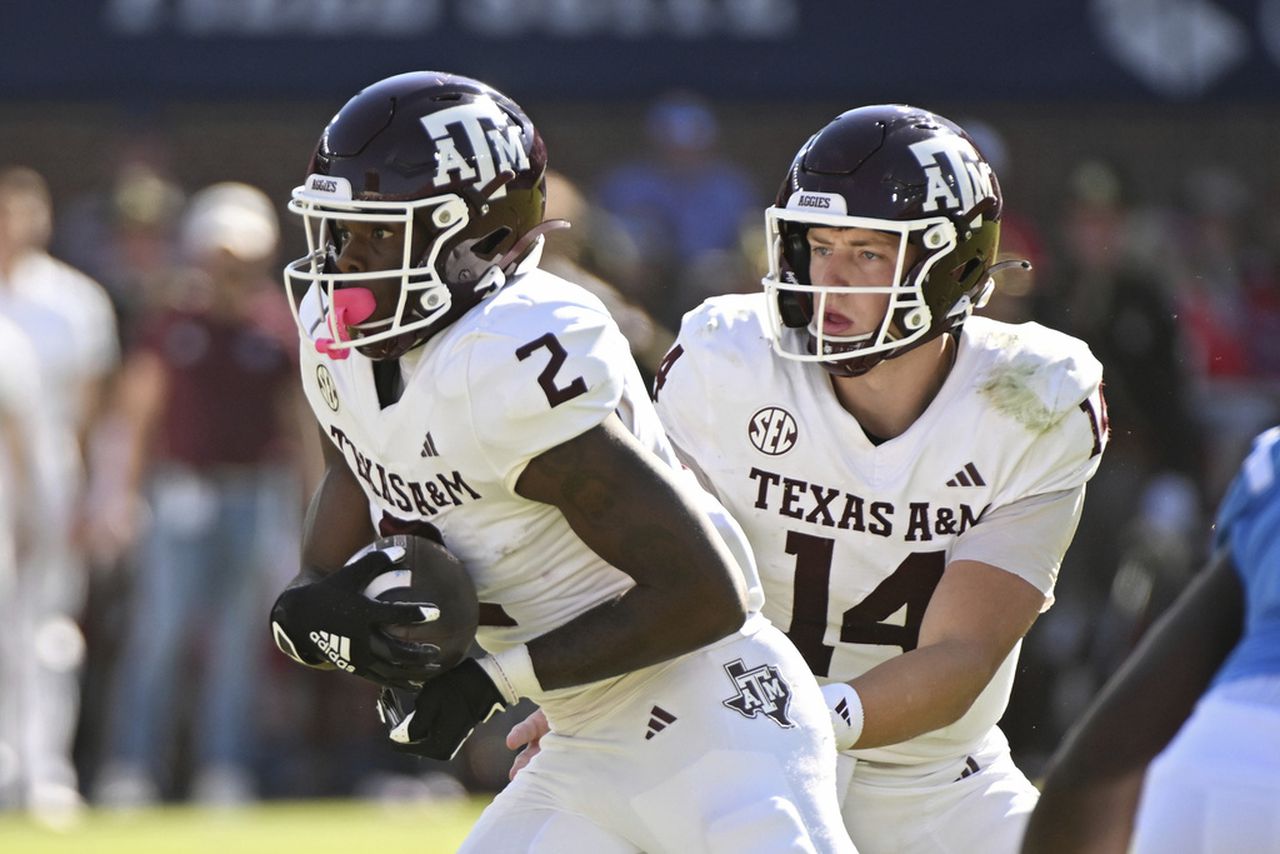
(896, 169)
(423, 150)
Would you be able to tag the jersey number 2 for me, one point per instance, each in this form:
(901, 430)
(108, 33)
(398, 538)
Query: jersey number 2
(911, 585)
(556, 395)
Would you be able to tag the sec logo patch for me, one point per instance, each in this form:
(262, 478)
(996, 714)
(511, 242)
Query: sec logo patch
(328, 389)
(773, 431)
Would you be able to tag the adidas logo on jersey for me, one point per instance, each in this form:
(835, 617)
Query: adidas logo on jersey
(429, 447)
(659, 719)
(967, 476)
(336, 648)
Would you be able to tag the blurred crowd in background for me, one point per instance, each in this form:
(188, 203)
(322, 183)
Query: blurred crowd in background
(170, 458)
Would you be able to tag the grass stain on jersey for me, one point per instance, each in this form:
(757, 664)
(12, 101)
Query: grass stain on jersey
(1011, 388)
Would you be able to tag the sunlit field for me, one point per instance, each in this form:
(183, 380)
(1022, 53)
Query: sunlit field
(314, 827)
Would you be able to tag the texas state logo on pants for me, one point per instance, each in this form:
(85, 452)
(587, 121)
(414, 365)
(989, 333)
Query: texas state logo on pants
(761, 690)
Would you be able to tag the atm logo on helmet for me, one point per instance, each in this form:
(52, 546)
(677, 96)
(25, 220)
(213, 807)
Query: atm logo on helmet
(494, 141)
(954, 157)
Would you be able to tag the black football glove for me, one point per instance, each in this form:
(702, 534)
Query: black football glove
(444, 713)
(331, 623)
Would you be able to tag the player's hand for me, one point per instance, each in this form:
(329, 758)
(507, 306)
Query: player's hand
(527, 734)
(331, 624)
(444, 713)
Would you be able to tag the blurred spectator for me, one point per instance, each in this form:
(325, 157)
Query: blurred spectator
(1108, 290)
(1136, 545)
(572, 252)
(207, 401)
(1227, 298)
(685, 207)
(1020, 238)
(70, 321)
(124, 233)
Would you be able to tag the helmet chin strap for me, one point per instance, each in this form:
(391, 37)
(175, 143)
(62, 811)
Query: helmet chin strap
(348, 307)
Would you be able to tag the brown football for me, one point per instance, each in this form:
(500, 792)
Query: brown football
(430, 574)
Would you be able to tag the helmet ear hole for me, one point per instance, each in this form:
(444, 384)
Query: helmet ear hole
(966, 271)
(488, 245)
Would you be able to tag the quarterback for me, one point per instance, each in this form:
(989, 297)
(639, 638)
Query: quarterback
(466, 395)
(909, 477)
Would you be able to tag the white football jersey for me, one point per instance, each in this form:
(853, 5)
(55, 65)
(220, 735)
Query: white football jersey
(852, 537)
(530, 368)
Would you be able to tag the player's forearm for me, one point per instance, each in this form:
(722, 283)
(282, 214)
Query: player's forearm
(642, 627)
(629, 509)
(1142, 706)
(688, 593)
(918, 692)
(337, 523)
(1093, 819)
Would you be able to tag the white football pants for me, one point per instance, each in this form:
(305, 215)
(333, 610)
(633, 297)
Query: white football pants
(1216, 787)
(679, 766)
(979, 802)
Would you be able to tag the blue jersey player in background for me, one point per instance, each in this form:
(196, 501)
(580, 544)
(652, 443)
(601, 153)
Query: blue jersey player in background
(1215, 784)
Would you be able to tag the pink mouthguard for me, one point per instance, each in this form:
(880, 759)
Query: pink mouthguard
(349, 306)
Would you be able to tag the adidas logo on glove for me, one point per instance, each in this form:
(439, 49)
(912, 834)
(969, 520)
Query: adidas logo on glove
(336, 648)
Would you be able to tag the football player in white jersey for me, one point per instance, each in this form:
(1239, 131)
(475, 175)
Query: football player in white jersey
(1199, 701)
(466, 395)
(909, 477)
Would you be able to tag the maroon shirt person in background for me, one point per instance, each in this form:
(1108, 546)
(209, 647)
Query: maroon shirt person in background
(210, 492)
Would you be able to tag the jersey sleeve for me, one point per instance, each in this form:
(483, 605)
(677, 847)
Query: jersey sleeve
(683, 383)
(1027, 538)
(1068, 435)
(537, 383)
(1034, 516)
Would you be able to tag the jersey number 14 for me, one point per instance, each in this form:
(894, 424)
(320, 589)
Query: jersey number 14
(910, 586)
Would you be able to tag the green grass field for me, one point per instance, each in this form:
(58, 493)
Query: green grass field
(313, 827)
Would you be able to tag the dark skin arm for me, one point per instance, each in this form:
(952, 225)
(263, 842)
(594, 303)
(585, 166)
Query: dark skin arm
(337, 522)
(628, 508)
(1091, 790)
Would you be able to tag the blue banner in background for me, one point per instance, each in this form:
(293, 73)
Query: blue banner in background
(1175, 51)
